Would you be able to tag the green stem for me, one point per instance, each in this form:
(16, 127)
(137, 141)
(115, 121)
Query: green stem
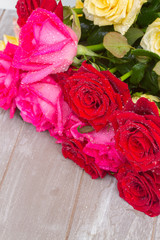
(78, 10)
(96, 48)
(126, 75)
(113, 70)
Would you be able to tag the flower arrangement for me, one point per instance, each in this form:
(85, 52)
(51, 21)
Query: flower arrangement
(90, 75)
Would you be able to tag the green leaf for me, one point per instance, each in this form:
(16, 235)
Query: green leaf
(115, 60)
(149, 12)
(147, 18)
(66, 12)
(138, 71)
(82, 50)
(137, 94)
(155, 5)
(76, 24)
(85, 129)
(116, 44)
(159, 82)
(158, 104)
(150, 82)
(142, 52)
(98, 33)
(143, 59)
(95, 66)
(125, 67)
(67, 16)
(133, 34)
(86, 28)
(156, 68)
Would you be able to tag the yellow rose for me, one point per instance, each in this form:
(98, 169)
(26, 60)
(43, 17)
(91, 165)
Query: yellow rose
(120, 13)
(151, 39)
(2, 45)
(79, 4)
(7, 39)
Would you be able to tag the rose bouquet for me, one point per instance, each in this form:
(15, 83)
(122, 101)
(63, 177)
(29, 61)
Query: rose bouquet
(90, 75)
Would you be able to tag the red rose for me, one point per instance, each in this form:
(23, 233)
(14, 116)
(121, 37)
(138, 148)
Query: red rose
(138, 134)
(95, 95)
(73, 149)
(26, 7)
(9, 79)
(141, 190)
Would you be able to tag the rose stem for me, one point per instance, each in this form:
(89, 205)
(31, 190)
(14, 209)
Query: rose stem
(97, 47)
(126, 75)
(113, 70)
(78, 10)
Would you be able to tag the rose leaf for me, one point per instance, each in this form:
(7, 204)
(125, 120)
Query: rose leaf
(138, 71)
(116, 44)
(76, 24)
(85, 129)
(67, 16)
(133, 34)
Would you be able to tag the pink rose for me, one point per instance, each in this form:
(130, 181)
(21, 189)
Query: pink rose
(106, 156)
(98, 145)
(42, 104)
(46, 46)
(9, 79)
(101, 146)
(70, 122)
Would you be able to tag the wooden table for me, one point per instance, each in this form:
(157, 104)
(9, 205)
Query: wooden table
(46, 197)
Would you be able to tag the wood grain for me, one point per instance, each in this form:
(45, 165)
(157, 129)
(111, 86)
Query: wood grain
(46, 197)
(39, 190)
(6, 23)
(101, 214)
(9, 131)
(156, 235)
(1, 13)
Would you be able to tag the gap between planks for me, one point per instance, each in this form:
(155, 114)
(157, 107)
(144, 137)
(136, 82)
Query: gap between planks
(10, 158)
(74, 208)
(154, 228)
(3, 11)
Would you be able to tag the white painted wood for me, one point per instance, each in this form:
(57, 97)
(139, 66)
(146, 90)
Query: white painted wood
(46, 197)
(156, 235)
(39, 189)
(1, 11)
(10, 4)
(6, 23)
(9, 128)
(9, 131)
(102, 215)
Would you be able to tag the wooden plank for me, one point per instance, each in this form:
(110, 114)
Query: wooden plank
(9, 131)
(101, 214)
(8, 4)
(39, 189)
(1, 11)
(6, 23)
(45, 197)
(156, 232)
